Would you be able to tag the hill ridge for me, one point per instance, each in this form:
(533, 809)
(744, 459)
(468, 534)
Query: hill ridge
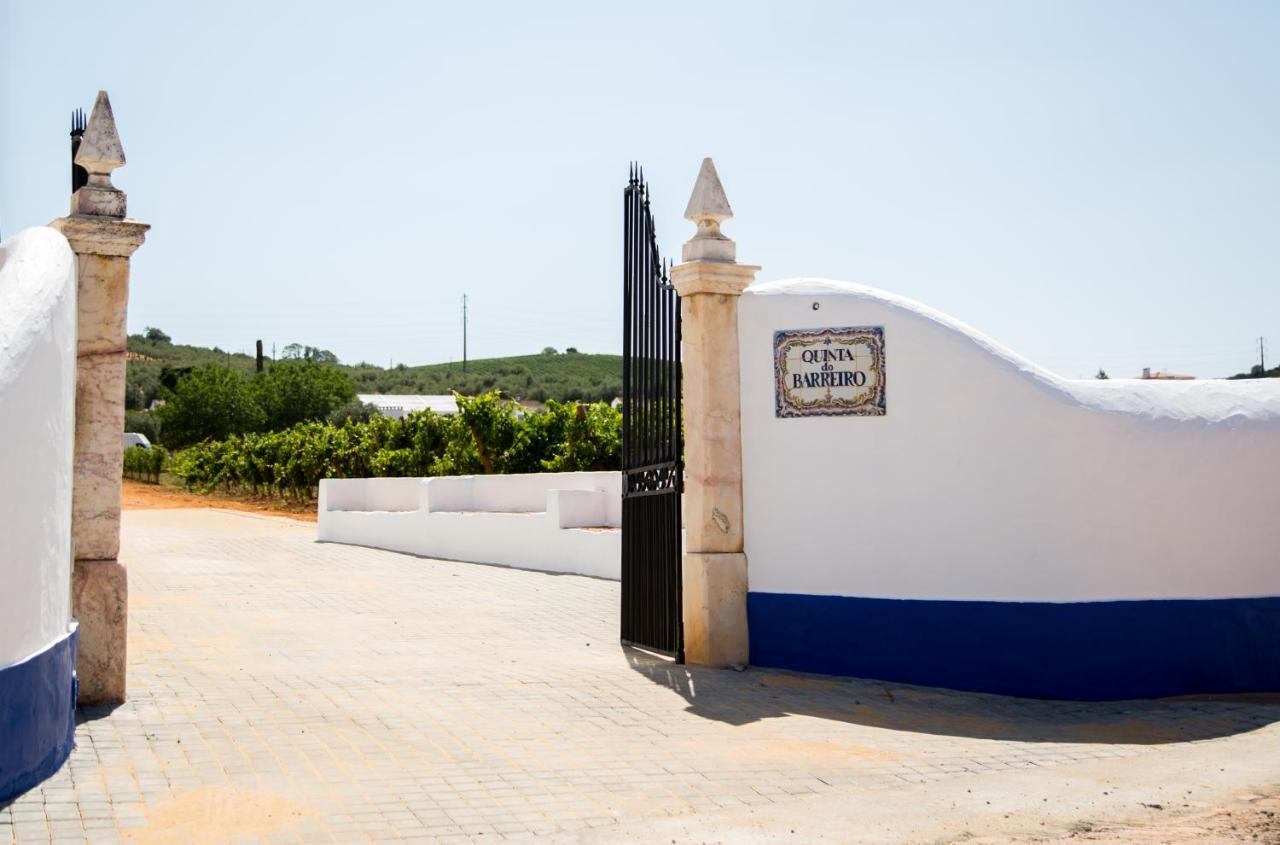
(563, 376)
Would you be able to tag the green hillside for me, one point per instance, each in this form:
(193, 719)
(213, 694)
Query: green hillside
(155, 360)
(562, 376)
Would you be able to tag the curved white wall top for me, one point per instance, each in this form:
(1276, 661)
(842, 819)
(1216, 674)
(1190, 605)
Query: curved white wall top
(989, 478)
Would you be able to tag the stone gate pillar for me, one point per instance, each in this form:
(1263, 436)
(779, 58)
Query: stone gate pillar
(103, 240)
(709, 282)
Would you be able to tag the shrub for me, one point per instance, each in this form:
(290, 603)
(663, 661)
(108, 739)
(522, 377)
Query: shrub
(214, 402)
(295, 391)
(145, 464)
(488, 435)
(592, 440)
(355, 411)
(210, 402)
(144, 423)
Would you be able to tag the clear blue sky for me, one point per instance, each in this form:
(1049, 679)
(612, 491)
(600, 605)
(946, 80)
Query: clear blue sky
(1092, 184)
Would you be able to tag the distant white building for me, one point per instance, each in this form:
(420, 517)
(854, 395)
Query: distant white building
(1149, 375)
(401, 405)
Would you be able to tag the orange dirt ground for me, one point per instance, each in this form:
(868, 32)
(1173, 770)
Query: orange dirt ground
(1252, 819)
(137, 495)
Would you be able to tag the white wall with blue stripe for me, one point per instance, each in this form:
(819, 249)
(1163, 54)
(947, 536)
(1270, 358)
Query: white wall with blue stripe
(37, 407)
(1002, 529)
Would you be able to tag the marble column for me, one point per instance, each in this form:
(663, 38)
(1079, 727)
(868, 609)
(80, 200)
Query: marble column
(709, 281)
(103, 241)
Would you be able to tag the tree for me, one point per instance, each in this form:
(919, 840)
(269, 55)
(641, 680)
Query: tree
(294, 391)
(299, 352)
(210, 402)
(152, 333)
(142, 385)
(1102, 374)
(144, 423)
(353, 411)
(549, 350)
(571, 350)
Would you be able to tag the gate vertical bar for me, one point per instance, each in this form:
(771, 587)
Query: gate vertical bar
(627, 318)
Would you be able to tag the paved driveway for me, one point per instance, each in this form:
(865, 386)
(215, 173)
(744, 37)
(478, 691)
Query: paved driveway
(293, 691)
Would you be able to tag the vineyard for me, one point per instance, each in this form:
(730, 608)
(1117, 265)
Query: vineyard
(488, 435)
(145, 464)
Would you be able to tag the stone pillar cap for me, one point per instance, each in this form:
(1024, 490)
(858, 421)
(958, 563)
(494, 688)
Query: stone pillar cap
(91, 234)
(726, 277)
(708, 207)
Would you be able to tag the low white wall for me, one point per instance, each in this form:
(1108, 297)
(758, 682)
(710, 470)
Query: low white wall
(37, 430)
(556, 522)
(357, 494)
(989, 478)
(524, 493)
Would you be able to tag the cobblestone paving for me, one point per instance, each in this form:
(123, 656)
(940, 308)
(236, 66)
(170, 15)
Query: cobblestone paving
(285, 690)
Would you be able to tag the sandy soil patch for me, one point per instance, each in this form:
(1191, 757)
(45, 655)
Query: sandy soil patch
(1253, 818)
(137, 495)
(216, 815)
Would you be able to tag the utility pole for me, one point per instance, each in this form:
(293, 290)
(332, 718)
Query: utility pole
(1262, 354)
(464, 332)
(257, 358)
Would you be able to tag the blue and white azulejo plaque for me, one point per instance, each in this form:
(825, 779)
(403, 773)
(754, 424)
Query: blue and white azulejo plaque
(829, 372)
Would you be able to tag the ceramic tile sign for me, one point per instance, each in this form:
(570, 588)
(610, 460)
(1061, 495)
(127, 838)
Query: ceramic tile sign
(829, 372)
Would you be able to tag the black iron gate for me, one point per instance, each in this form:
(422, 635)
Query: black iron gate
(652, 454)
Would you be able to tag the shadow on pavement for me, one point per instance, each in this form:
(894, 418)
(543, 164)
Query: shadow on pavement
(93, 712)
(739, 698)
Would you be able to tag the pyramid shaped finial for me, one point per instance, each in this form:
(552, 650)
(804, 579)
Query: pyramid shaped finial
(708, 207)
(708, 199)
(100, 152)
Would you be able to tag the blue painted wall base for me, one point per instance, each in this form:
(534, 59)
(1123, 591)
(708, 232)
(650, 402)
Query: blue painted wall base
(1092, 651)
(37, 716)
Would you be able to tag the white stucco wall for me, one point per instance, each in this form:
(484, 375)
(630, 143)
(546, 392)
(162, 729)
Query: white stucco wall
(520, 493)
(37, 429)
(360, 494)
(990, 478)
(555, 522)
